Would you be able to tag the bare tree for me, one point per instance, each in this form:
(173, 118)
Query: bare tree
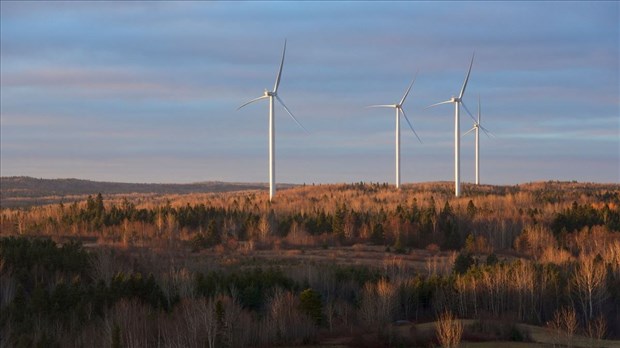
(209, 320)
(386, 300)
(284, 322)
(330, 313)
(524, 280)
(234, 333)
(131, 318)
(298, 235)
(534, 240)
(596, 329)
(449, 330)
(191, 322)
(265, 228)
(378, 303)
(105, 265)
(367, 308)
(589, 280)
(8, 286)
(564, 325)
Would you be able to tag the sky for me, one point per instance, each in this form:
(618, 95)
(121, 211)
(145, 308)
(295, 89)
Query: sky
(149, 91)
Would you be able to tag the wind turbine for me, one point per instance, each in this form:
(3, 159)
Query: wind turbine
(399, 110)
(477, 126)
(271, 95)
(458, 101)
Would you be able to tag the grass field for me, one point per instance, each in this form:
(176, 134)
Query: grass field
(538, 336)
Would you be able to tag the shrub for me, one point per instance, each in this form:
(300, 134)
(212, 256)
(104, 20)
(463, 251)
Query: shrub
(449, 330)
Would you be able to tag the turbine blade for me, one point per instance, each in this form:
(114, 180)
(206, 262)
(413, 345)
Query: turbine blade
(409, 123)
(467, 77)
(478, 108)
(252, 101)
(487, 132)
(381, 106)
(443, 102)
(469, 131)
(291, 114)
(275, 87)
(468, 112)
(408, 89)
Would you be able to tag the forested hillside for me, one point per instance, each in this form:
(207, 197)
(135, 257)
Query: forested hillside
(340, 262)
(19, 191)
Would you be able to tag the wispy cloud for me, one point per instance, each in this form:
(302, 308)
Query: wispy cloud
(82, 81)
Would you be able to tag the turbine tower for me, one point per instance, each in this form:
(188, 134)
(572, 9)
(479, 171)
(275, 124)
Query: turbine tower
(271, 95)
(458, 101)
(477, 126)
(399, 110)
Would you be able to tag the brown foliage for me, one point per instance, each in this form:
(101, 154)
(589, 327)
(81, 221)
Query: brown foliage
(449, 330)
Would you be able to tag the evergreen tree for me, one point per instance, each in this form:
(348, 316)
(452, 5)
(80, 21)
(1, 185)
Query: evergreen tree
(311, 305)
(471, 209)
(213, 234)
(338, 221)
(377, 236)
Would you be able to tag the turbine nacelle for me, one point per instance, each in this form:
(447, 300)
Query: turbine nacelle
(269, 94)
(455, 100)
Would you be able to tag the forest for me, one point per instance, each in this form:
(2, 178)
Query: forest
(347, 265)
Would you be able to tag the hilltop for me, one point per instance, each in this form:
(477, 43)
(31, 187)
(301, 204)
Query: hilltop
(16, 191)
(25, 191)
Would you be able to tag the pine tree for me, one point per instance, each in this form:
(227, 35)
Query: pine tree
(213, 235)
(311, 305)
(377, 237)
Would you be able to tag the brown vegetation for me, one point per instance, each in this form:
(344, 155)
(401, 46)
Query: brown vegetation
(230, 268)
(449, 330)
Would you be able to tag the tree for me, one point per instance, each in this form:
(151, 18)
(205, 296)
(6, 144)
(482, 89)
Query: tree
(265, 227)
(209, 320)
(449, 330)
(589, 279)
(311, 305)
(116, 336)
(597, 328)
(471, 209)
(447, 224)
(377, 236)
(492, 259)
(564, 324)
(470, 243)
(463, 262)
(386, 300)
(284, 322)
(213, 234)
(338, 221)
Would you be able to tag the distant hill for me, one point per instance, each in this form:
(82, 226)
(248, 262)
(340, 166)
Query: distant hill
(22, 190)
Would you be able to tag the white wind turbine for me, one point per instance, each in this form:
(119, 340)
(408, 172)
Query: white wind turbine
(271, 95)
(477, 127)
(457, 133)
(399, 110)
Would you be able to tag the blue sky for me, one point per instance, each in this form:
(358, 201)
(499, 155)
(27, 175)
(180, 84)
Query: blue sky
(148, 91)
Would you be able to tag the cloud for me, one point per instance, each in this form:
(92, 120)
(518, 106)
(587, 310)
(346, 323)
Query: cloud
(112, 81)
